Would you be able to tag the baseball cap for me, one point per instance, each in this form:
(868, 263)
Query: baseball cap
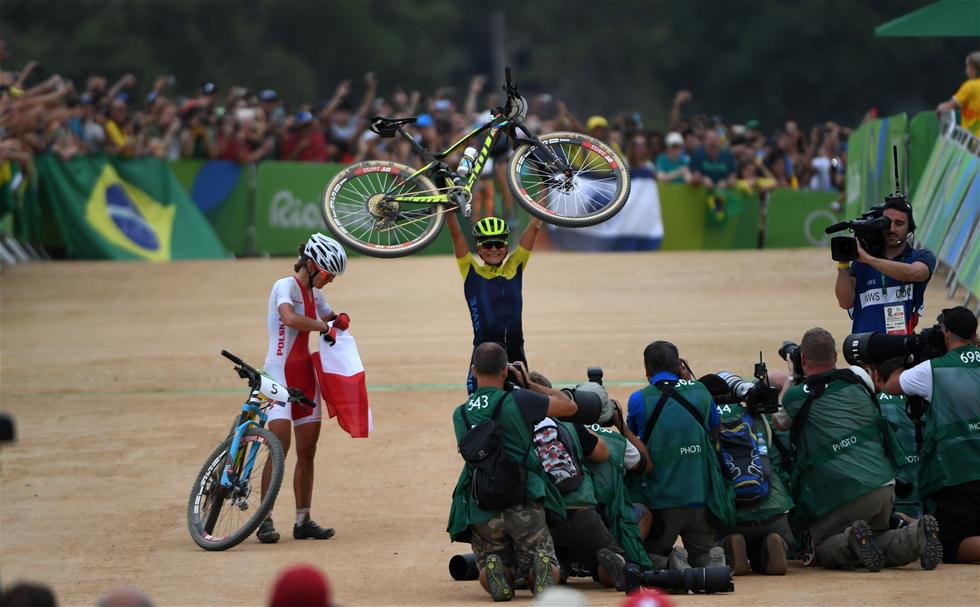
(959, 321)
(596, 122)
(424, 120)
(675, 138)
(301, 586)
(304, 117)
(209, 87)
(560, 596)
(599, 390)
(268, 95)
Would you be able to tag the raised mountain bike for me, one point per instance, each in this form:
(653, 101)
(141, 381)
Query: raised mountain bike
(386, 209)
(226, 503)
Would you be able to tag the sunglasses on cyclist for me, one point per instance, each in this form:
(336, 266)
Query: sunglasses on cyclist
(493, 244)
(323, 274)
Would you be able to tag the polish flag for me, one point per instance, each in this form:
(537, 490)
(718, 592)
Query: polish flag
(341, 378)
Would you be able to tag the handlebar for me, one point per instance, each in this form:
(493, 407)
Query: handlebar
(254, 377)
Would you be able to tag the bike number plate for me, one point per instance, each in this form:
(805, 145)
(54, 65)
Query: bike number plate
(273, 390)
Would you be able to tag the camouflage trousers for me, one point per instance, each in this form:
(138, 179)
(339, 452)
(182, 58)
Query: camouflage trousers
(516, 536)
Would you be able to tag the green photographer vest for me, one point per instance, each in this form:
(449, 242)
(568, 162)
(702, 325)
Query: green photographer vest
(893, 409)
(685, 469)
(582, 496)
(610, 490)
(518, 446)
(778, 501)
(840, 449)
(951, 440)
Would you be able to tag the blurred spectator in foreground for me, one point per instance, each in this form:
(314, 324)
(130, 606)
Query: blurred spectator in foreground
(967, 98)
(673, 165)
(301, 586)
(561, 596)
(28, 594)
(126, 596)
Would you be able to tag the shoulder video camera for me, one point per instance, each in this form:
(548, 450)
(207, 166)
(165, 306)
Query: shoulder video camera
(868, 228)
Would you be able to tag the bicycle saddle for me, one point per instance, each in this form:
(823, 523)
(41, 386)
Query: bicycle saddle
(387, 127)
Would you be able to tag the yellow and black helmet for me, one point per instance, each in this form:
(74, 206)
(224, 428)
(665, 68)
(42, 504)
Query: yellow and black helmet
(491, 228)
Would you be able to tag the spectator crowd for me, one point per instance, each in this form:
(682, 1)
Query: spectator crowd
(56, 115)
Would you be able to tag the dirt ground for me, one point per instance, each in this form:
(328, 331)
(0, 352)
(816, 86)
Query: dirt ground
(114, 375)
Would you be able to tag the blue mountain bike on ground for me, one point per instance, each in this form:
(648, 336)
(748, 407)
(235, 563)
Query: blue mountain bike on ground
(226, 503)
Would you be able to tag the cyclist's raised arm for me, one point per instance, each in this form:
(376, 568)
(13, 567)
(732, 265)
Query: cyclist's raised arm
(530, 233)
(460, 248)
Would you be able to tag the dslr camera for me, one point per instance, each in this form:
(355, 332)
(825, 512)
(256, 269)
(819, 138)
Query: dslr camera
(759, 396)
(874, 348)
(790, 351)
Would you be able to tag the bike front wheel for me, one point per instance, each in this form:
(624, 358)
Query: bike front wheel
(220, 518)
(364, 207)
(588, 185)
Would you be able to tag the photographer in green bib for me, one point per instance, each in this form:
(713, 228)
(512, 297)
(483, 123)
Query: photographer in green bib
(684, 488)
(500, 498)
(844, 464)
(949, 463)
(908, 505)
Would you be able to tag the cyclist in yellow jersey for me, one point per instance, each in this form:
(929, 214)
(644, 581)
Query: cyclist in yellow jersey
(493, 289)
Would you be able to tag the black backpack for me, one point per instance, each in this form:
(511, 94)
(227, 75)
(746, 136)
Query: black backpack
(498, 481)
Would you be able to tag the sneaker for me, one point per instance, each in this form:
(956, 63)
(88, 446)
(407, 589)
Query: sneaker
(309, 529)
(267, 533)
(678, 559)
(736, 554)
(716, 557)
(541, 572)
(932, 548)
(775, 555)
(863, 543)
(614, 565)
(497, 582)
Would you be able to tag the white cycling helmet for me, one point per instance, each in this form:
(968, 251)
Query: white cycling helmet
(326, 253)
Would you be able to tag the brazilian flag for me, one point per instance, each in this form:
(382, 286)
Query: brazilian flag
(115, 208)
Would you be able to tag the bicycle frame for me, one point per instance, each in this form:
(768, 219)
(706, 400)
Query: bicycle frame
(435, 164)
(253, 414)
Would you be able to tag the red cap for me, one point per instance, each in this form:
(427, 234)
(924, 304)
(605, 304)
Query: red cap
(647, 597)
(301, 586)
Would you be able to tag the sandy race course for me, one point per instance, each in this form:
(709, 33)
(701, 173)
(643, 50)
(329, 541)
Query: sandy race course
(113, 373)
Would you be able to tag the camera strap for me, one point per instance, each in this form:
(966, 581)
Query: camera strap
(667, 391)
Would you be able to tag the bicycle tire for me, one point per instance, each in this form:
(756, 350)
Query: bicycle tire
(211, 471)
(349, 205)
(596, 188)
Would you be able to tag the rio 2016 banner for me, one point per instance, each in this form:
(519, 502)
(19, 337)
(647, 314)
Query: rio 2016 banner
(287, 204)
(222, 190)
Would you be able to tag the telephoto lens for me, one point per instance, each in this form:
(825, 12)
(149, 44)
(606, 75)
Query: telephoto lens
(699, 580)
(736, 384)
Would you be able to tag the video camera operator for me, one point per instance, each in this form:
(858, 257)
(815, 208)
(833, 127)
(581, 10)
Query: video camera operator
(844, 467)
(884, 292)
(949, 462)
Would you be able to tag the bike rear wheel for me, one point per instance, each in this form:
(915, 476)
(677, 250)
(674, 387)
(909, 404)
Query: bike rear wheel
(218, 518)
(358, 206)
(593, 189)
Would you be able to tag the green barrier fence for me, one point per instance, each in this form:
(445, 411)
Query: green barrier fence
(798, 218)
(870, 172)
(923, 132)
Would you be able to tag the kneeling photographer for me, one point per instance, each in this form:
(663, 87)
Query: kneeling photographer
(881, 279)
(761, 536)
(844, 466)
(949, 463)
(500, 498)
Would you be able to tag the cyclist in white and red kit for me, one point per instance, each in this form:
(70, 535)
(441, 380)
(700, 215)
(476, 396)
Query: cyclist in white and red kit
(297, 307)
